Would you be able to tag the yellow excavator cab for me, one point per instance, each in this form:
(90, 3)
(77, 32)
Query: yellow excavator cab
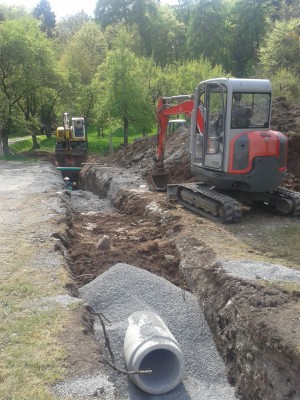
(78, 129)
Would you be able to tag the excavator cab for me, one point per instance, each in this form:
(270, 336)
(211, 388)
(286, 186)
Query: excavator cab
(236, 147)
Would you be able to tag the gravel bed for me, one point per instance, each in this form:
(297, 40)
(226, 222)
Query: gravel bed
(254, 270)
(125, 289)
(85, 201)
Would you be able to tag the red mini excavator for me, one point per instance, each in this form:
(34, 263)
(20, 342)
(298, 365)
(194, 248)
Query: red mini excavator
(234, 153)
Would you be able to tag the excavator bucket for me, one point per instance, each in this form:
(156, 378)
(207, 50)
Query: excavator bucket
(158, 180)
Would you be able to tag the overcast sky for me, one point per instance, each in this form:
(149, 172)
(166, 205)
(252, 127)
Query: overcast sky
(63, 8)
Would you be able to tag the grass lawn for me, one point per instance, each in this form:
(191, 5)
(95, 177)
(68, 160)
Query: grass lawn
(99, 145)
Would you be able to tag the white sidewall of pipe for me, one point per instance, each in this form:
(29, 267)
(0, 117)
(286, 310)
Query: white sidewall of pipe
(149, 344)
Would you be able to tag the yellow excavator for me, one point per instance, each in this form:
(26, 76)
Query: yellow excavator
(71, 142)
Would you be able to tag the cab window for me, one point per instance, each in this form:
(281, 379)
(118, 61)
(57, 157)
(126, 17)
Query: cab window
(250, 110)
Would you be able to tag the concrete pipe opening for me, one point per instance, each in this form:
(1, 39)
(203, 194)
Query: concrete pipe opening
(149, 345)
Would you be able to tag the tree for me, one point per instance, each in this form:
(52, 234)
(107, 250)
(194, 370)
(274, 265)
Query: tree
(43, 13)
(206, 31)
(287, 10)
(247, 26)
(27, 68)
(12, 12)
(282, 47)
(165, 38)
(286, 84)
(85, 52)
(184, 10)
(190, 73)
(67, 27)
(122, 91)
(108, 12)
(115, 34)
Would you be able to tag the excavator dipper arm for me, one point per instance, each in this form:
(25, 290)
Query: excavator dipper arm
(163, 112)
(167, 106)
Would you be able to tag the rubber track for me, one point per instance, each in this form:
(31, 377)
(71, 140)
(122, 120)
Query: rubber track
(294, 196)
(232, 210)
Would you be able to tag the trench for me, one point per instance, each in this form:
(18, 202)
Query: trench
(260, 363)
(134, 238)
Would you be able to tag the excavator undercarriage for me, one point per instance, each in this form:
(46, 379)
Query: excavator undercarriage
(219, 206)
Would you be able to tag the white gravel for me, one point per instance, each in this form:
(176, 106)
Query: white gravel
(85, 201)
(254, 270)
(124, 289)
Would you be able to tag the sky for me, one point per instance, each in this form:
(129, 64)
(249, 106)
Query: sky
(63, 8)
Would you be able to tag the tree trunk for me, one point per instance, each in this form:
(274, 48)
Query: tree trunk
(35, 144)
(125, 127)
(48, 131)
(4, 144)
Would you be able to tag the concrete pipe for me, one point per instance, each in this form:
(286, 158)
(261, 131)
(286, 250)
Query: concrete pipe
(149, 345)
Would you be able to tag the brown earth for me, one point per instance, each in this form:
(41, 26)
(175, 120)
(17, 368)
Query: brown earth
(258, 335)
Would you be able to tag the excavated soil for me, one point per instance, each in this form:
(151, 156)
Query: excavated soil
(256, 324)
(132, 240)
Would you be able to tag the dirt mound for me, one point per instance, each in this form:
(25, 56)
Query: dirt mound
(139, 156)
(287, 120)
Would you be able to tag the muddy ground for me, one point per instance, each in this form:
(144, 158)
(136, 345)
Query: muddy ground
(259, 334)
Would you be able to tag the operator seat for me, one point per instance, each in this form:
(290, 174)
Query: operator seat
(240, 117)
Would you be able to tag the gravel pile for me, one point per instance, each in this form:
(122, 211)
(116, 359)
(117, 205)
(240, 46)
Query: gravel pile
(125, 289)
(85, 201)
(253, 270)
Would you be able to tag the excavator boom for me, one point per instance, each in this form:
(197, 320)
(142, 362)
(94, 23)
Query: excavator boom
(159, 178)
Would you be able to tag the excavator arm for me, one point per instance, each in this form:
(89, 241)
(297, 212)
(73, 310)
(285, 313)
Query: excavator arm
(184, 104)
(167, 106)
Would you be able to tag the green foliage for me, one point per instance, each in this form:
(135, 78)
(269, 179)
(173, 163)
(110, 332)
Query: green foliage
(122, 91)
(68, 26)
(110, 12)
(206, 30)
(114, 77)
(85, 51)
(290, 9)
(189, 74)
(246, 29)
(282, 47)
(27, 69)
(286, 84)
(120, 33)
(12, 12)
(43, 13)
(167, 38)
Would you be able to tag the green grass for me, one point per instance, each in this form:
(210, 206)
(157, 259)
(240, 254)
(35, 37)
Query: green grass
(99, 145)
(26, 144)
